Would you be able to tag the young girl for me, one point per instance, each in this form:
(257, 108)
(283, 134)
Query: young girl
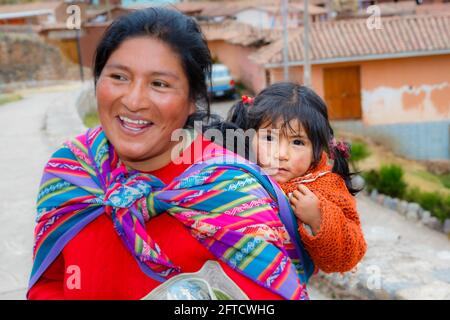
(293, 144)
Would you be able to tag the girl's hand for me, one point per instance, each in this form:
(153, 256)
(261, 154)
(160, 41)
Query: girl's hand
(306, 207)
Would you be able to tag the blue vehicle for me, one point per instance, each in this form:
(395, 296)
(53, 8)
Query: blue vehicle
(223, 84)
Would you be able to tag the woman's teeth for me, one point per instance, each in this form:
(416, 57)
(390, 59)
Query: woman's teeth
(134, 125)
(128, 120)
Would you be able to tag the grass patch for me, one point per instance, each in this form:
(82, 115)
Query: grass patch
(445, 180)
(415, 172)
(9, 97)
(91, 120)
(389, 181)
(428, 176)
(435, 202)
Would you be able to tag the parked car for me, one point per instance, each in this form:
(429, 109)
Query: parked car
(223, 84)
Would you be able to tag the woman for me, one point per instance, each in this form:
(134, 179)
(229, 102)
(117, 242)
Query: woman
(118, 214)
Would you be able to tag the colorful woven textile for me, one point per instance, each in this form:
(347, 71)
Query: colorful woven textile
(241, 216)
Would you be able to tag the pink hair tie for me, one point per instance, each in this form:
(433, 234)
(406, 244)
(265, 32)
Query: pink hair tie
(342, 146)
(247, 100)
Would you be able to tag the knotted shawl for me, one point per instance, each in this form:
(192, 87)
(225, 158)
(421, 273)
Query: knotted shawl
(237, 213)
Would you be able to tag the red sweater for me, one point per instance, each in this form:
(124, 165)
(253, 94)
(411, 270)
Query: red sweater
(95, 264)
(339, 245)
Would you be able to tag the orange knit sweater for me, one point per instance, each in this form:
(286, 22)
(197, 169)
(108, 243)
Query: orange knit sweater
(340, 243)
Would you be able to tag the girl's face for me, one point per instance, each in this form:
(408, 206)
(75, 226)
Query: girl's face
(284, 154)
(143, 96)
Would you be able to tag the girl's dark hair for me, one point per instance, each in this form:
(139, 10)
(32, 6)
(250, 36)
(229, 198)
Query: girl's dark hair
(288, 101)
(178, 31)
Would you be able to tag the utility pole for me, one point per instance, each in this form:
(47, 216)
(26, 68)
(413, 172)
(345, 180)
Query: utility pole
(284, 12)
(108, 11)
(307, 63)
(80, 60)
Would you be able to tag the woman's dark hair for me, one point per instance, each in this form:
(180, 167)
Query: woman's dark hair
(178, 31)
(289, 101)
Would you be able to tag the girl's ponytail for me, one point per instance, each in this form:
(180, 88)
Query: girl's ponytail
(238, 114)
(340, 153)
(237, 122)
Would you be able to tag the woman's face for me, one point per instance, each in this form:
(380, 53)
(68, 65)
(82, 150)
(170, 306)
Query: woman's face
(143, 96)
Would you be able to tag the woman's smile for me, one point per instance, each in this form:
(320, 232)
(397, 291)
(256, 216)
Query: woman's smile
(134, 126)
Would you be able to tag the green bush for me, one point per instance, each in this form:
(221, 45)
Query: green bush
(391, 181)
(430, 200)
(437, 203)
(358, 152)
(388, 180)
(371, 179)
(413, 194)
(446, 208)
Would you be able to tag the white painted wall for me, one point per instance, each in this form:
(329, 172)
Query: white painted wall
(385, 105)
(260, 18)
(255, 17)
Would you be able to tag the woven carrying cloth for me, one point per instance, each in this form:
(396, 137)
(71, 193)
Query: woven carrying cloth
(238, 214)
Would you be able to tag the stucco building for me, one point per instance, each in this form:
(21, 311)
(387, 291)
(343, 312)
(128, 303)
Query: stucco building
(392, 83)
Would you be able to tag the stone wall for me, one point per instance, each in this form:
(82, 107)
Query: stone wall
(27, 58)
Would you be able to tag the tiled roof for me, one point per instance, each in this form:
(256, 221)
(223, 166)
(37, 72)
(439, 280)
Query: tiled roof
(230, 8)
(312, 9)
(433, 8)
(216, 9)
(397, 8)
(350, 39)
(238, 33)
(405, 8)
(33, 6)
(293, 7)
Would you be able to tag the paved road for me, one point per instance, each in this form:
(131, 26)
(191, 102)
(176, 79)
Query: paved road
(404, 260)
(24, 150)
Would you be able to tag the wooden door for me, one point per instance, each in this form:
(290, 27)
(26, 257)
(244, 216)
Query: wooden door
(343, 92)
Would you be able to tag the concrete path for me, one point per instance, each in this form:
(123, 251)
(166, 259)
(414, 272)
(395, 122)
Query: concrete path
(404, 260)
(24, 149)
